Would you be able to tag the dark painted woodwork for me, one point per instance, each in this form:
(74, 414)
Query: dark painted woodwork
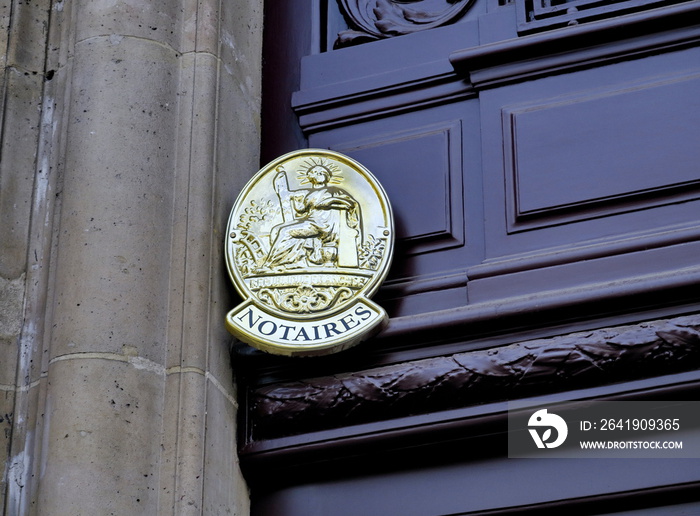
(453, 488)
(578, 47)
(542, 165)
(283, 48)
(454, 462)
(370, 111)
(478, 423)
(372, 20)
(520, 370)
(547, 14)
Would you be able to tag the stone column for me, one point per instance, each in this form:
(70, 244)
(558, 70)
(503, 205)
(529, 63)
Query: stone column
(155, 127)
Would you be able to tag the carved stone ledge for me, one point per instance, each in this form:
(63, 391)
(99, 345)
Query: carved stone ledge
(554, 364)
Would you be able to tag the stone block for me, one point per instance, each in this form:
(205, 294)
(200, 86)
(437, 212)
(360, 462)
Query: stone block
(5, 17)
(192, 232)
(225, 492)
(11, 301)
(114, 246)
(184, 474)
(23, 457)
(22, 118)
(7, 400)
(201, 24)
(241, 41)
(104, 438)
(27, 27)
(155, 20)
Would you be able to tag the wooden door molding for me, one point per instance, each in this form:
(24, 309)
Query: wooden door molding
(555, 364)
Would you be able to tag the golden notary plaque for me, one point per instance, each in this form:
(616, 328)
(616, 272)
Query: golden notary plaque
(309, 241)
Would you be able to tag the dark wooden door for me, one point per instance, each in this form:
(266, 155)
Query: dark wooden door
(542, 164)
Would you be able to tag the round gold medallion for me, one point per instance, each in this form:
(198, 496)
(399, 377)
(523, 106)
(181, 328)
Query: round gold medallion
(309, 240)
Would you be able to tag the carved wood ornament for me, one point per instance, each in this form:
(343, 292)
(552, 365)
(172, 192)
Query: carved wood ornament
(553, 364)
(379, 19)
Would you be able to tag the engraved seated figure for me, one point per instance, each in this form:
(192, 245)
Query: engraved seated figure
(320, 225)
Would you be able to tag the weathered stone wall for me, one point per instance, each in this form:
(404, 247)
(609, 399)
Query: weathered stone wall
(23, 227)
(128, 128)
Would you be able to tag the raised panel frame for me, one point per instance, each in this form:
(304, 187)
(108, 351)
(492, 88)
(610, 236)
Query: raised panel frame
(600, 194)
(538, 16)
(449, 231)
(518, 239)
